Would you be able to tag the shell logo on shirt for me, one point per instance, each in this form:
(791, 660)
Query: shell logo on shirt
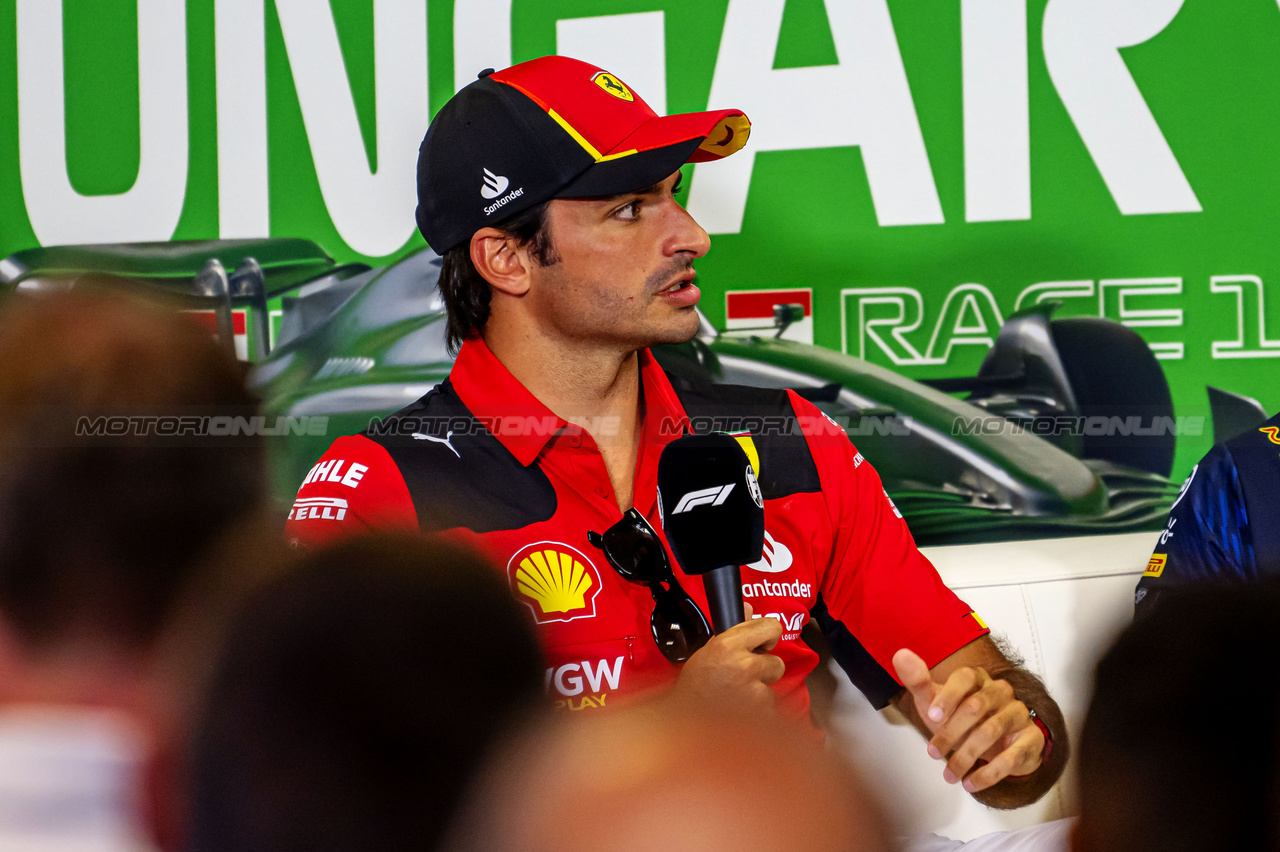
(556, 581)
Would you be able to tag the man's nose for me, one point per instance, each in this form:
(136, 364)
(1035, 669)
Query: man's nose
(687, 235)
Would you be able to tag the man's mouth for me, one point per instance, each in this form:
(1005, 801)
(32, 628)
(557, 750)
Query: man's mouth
(681, 283)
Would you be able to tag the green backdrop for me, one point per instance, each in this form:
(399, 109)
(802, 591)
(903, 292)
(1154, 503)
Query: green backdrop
(920, 165)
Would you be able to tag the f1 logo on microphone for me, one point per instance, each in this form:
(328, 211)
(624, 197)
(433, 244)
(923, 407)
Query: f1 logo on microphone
(712, 496)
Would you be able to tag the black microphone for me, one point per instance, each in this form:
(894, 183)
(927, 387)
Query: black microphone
(713, 514)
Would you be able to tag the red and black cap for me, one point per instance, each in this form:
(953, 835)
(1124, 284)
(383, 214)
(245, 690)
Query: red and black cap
(552, 127)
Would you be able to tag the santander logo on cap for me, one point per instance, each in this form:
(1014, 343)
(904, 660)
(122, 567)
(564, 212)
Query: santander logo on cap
(494, 185)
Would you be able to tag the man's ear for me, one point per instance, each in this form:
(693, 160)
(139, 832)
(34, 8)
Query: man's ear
(501, 261)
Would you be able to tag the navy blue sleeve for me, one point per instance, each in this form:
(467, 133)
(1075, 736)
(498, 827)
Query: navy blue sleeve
(1207, 536)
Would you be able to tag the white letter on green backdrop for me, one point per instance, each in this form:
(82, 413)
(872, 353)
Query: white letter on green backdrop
(373, 209)
(1082, 41)
(481, 38)
(240, 43)
(997, 126)
(864, 101)
(150, 209)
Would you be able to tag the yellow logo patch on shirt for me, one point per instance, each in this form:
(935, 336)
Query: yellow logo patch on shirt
(748, 447)
(1155, 565)
(557, 582)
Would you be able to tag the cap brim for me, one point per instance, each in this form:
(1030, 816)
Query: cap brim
(720, 133)
(658, 148)
(630, 173)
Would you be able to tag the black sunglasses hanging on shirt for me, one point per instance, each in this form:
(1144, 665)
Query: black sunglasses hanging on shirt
(635, 551)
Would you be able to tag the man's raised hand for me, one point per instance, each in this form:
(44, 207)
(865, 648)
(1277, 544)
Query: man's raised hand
(972, 717)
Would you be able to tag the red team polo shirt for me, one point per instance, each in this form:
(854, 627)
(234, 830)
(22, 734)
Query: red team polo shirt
(481, 461)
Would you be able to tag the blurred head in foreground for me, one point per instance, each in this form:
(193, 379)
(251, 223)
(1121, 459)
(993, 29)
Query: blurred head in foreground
(673, 777)
(1179, 749)
(353, 698)
(102, 521)
(105, 533)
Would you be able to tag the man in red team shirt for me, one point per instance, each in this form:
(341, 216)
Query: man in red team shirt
(548, 189)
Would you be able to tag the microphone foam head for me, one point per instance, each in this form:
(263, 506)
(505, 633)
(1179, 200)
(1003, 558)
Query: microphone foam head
(711, 506)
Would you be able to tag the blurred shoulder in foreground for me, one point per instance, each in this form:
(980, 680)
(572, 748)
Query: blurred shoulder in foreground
(355, 695)
(1180, 745)
(669, 775)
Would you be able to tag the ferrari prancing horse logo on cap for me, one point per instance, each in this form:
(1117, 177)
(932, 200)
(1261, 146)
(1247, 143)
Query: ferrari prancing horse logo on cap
(613, 86)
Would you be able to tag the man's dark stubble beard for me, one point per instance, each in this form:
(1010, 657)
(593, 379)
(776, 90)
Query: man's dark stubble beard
(663, 277)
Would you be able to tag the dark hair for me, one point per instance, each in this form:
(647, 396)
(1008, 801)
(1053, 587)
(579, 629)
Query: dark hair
(100, 532)
(1179, 749)
(466, 293)
(354, 697)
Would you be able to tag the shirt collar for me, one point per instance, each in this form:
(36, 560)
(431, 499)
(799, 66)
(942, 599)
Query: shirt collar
(489, 391)
(664, 421)
(664, 416)
(497, 399)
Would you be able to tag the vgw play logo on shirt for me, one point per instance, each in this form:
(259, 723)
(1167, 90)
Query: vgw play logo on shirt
(556, 581)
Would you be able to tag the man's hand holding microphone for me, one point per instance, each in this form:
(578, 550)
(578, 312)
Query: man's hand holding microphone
(735, 668)
(713, 515)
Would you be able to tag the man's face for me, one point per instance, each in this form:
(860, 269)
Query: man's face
(625, 270)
